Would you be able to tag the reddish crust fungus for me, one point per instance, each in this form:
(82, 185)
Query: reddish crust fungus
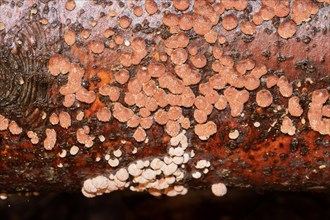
(294, 107)
(204, 131)
(4, 123)
(287, 29)
(14, 128)
(151, 7)
(50, 140)
(229, 22)
(97, 46)
(70, 37)
(64, 119)
(166, 76)
(124, 22)
(264, 98)
(181, 5)
(103, 114)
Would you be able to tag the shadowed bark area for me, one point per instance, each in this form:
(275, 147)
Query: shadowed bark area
(65, 114)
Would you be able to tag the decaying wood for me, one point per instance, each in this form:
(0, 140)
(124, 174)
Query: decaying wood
(249, 148)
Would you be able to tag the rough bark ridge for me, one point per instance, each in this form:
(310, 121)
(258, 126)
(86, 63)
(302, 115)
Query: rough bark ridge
(164, 96)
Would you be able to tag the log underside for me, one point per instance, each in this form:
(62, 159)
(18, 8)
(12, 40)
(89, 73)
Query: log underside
(263, 156)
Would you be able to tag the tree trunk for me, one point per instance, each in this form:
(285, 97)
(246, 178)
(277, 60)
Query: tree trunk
(242, 88)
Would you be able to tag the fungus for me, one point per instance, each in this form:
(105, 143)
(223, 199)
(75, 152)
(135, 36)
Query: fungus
(212, 97)
(151, 7)
(200, 116)
(244, 65)
(196, 175)
(271, 81)
(319, 97)
(282, 8)
(4, 123)
(219, 189)
(179, 40)
(70, 5)
(146, 122)
(86, 96)
(257, 19)
(229, 22)
(69, 100)
(138, 44)
(74, 150)
(287, 29)
(64, 119)
(97, 46)
(114, 93)
(50, 140)
(186, 22)
(149, 88)
(138, 11)
(217, 81)
(121, 113)
(14, 128)
(108, 33)
(103, 114)
(58, 64)
(124, 22)
(248, 28)
(222, 39)
(156, 69)
(151, 104)
(221, 103)
(118, 153)
(285, 87)
(83, 137)
(287, 126)
(181, 5)
(122, 76)
(170, 19)
(201, 24)
(302, 9)
(264, 98)
(234, 134)
(33, 136)
(144, 112)
(134, 121)
(294, 107)
(179, 56)
(211, 36)
(326, 111)
(161, 117)
(80, 116)
(70, 37)
(134, 85)
(174, 113)
(172, 128)
(236, 100)
(122, 174)
(139, 134)
(199, 60)
(169, 169)
(267, 13)
(204, 131)
(251, 82)
(240, 5)
(217, 52)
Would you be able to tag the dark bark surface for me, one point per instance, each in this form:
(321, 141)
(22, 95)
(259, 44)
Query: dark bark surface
(261, 157)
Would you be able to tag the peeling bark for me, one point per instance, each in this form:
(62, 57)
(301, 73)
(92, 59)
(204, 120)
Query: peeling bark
(249, 148)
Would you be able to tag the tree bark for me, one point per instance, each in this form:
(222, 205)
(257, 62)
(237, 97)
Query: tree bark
(250, 149)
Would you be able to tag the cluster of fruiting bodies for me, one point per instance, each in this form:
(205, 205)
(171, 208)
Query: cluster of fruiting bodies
(170, 89)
